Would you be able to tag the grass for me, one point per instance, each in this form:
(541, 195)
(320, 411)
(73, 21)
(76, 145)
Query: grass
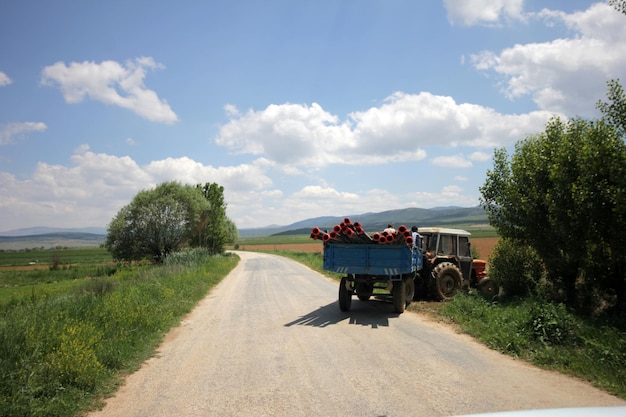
(55, 272)
(548, 336)
(46, 257)
(542, 333)
(62, 349)
(271, 240)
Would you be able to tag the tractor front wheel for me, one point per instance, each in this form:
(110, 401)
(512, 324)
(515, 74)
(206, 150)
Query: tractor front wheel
(488, 288)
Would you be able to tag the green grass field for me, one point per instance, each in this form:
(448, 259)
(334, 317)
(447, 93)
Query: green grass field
(67, 338)
(37, 273)
(88, 255)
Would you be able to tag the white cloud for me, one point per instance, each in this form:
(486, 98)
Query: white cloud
(565, 75)
(289, 134)
(9, 132)
(452, 161)
(97, 185)
(483, 12)
(4, 79)
(479, 156)
(449, 195)
(111, 83)
(292, 135)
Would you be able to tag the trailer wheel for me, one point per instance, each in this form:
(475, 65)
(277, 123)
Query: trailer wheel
(364, 291)
(345, 295)
(398, 294)
(446, 281)
(409, 285)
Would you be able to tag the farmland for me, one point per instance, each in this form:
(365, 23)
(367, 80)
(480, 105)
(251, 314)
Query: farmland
(484, 245)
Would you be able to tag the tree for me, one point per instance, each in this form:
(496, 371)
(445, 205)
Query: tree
(156, 222)
(614, 111)
(620, 5)
(232, 234)
(563, 192)
(213, 230)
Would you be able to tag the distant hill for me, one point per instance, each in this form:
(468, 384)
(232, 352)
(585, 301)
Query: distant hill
(466, 217)
(51, 240)
(461, 217)
(42, 230)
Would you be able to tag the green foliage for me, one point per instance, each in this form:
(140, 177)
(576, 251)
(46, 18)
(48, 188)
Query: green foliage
(614, 111)
(187, 257)
(75, 256)
(550, 324)
(563, 193)
(547, 335)
(60, 352)
(156, 222)
(215, 229)
(516, 268)
(169, 217)
(74, 361)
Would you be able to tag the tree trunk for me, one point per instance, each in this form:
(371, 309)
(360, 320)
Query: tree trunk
(570, 291)
(620, 288)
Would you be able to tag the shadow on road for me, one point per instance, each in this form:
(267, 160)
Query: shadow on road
(372, 313)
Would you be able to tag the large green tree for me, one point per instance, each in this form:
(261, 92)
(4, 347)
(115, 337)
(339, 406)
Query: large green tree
(614, 111)
(563, 192)
(156, 222)
(213, 231)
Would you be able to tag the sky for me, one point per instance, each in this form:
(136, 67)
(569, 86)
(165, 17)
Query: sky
(298, 109)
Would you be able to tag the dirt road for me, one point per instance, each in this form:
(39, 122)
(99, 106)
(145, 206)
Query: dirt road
(270, 341)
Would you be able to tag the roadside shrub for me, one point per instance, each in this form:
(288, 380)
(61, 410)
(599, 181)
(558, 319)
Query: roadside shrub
(550, 324)
(97, 286)
(187, 257)
(516, 268)
(55, 262)
(74, 360)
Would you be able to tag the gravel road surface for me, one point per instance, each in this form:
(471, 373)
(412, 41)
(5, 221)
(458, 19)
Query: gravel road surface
(270, 340)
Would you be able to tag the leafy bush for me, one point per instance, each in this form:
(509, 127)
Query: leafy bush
(516, 268)
(74, 361)
(189, 257)
(550, 324)
(548, 335)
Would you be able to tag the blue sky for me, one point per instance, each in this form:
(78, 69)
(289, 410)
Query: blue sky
(298, 108)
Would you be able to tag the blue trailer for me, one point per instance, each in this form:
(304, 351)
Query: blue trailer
(384, 271)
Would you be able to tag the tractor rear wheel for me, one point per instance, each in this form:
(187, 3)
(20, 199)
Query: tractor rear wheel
(446, 281)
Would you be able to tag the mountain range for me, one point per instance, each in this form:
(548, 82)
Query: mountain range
(464, 217)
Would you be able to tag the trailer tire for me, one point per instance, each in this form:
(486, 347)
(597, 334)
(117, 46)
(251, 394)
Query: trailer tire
(445, 281)
(364, 291)
(398, 294)
(409, 289)
(345, 295)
